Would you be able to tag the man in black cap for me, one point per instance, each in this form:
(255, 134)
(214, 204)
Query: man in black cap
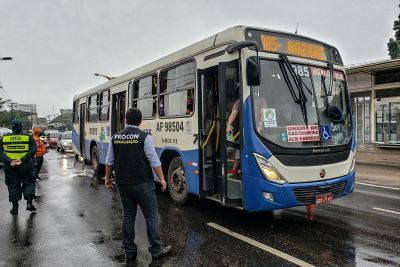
(16, 152)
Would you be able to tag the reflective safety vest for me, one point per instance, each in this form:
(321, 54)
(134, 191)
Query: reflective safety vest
(15, 146)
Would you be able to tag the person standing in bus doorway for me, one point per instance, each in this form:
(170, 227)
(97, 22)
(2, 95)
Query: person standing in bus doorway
(259, 105)
(16, 152)
(41, 150)
(132, 155)
(230, 136)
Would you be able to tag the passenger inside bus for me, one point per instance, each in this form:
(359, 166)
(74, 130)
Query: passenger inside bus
(232, 136)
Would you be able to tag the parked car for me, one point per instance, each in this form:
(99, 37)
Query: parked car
(52, 138)
(4, 131)
(43, 138)
(64, 142)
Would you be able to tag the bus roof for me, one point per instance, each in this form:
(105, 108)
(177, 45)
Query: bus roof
(230, 35)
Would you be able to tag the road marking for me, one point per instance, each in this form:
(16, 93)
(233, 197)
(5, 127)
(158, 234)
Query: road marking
(380, 186)
(260, 245)
(390, 211)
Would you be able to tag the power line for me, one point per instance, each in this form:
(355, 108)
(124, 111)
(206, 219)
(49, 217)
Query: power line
(1, 87)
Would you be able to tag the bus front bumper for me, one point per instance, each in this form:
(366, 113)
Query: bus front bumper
(260, 195)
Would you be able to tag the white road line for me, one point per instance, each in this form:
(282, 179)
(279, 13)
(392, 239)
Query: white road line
(390, 211)
(380, 186)
(260, 245)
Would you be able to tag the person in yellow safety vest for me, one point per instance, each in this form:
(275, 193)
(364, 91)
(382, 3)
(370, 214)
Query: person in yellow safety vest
(16, 152)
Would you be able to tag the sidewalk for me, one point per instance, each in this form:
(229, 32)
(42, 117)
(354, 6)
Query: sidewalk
(378, 174)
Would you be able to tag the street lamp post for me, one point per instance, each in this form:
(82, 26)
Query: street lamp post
(105, 76)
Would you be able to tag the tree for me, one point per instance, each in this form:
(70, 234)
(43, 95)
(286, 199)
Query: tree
(6, 117)
(66, 119)
(394, 43)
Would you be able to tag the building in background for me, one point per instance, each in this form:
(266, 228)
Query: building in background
(375, 93)
(26, 109)
(41, 121)
(65, 111)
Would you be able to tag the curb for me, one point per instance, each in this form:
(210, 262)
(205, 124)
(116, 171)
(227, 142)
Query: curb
(379, 164)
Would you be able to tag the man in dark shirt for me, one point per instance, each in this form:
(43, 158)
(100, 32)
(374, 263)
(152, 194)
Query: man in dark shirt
(132, 155)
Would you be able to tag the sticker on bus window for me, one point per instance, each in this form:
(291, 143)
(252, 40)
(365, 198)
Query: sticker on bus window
(302, 133)
(269, 116)
(326, 133)
(284, 137)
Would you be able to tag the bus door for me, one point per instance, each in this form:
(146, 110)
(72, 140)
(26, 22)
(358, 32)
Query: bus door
(118, 112)
(210, 181)
(82, 122)
(229, 141)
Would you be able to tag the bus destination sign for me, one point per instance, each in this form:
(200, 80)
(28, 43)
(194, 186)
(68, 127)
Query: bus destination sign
(293, 45)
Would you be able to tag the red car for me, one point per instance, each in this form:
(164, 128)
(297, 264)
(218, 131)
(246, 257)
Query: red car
(52, 138)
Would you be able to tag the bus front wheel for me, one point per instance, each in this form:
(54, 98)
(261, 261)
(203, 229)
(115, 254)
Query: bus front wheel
(176, 180)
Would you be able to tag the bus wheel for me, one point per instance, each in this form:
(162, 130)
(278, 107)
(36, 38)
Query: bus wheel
(176, 180)
(95, 160)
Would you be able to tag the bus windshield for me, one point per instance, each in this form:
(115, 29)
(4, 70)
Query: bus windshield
(306, 106)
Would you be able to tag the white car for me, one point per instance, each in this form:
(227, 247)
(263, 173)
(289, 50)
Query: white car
(4, 131)
(64, 142)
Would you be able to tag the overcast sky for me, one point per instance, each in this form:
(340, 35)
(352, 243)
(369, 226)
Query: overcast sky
(57, 45)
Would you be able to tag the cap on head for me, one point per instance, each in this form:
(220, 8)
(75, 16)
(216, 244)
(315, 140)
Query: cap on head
(37, 131)
(16, 126)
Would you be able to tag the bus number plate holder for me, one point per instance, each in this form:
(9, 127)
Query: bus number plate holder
(319, 199)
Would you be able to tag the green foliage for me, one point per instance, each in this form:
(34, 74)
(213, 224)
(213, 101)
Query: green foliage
(6, 117)
(66, 119)
(394, 44)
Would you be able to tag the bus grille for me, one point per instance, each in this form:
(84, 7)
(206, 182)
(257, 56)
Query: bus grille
(307, 195)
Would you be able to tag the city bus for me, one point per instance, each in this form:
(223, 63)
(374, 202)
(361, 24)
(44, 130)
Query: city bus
(292, 140)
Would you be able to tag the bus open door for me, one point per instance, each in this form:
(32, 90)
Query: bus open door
(219, 90)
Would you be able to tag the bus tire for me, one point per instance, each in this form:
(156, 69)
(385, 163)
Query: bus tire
(176, 181)
(95, 160)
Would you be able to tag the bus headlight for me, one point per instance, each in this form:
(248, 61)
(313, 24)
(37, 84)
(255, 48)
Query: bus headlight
(353, 163)
(269, 171)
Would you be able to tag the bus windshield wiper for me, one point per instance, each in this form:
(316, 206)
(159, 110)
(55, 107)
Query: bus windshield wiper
(299, 98)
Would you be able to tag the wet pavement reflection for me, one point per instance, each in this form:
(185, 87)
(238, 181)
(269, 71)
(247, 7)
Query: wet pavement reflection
(78, 223)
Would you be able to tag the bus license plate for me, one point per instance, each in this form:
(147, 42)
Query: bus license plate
(323, 198)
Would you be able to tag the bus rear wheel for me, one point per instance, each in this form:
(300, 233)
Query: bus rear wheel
(176, 180)
(95, 160)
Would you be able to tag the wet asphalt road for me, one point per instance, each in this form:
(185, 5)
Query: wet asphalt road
(78, 224)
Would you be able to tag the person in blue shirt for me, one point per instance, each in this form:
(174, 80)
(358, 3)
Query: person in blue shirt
(131, 154)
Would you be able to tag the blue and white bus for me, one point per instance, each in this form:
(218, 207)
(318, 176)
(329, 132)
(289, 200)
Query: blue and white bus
(292, 143)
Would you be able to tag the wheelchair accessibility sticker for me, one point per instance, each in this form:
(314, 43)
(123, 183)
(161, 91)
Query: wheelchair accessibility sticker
(326, 133)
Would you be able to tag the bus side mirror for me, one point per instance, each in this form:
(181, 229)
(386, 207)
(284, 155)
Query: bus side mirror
(253, 72)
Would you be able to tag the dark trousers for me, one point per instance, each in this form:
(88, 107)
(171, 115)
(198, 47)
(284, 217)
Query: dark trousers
(38, 165)
(143, 195)
(20, 180)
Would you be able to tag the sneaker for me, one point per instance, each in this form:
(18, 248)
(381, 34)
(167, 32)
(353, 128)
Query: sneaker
(163, 252)
(30, 207)
(233, 172)
(130, 260)
(14, 210)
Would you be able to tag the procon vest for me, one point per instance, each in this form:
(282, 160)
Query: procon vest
(130, 162)
(15, 146)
